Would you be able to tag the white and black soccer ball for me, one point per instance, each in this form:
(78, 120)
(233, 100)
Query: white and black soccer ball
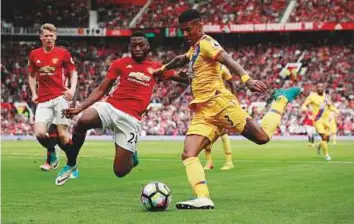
(156, 196)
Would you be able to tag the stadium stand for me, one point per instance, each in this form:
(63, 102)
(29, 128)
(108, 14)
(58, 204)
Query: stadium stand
(326, 61)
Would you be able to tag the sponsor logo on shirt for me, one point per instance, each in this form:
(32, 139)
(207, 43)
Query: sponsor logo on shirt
(46, 70)
(139, 77)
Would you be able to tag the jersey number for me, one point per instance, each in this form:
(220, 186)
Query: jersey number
(133, 138)
(228, 120)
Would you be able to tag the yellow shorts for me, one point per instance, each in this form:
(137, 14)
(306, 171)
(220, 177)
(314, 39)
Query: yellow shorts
(216, 115)
(322, 126)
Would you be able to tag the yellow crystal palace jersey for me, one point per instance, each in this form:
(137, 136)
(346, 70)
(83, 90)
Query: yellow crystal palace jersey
(205, 71)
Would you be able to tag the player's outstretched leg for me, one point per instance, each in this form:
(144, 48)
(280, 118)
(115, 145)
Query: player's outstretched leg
(228, 153)
(124, 161)
(281, 98)
(261, 134)
(193, 144)
(89, 119)
(209, 161)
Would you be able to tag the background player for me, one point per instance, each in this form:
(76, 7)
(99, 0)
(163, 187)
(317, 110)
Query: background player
(131, 85)
(310, 129)
(216, 108)
(227, 77)
(47, 65)
(321, 106)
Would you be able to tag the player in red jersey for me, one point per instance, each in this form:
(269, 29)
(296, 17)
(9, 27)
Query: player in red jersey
(46, 66)
(131, 85)
(310, 129)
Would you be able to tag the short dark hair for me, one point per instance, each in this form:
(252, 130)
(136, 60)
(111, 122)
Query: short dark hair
(188, 15)
(139, 34)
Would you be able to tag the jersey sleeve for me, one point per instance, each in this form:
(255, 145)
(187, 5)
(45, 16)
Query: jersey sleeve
(114, 70)
(31, 67)
(226, 75)
(69, 62)
(210, 48)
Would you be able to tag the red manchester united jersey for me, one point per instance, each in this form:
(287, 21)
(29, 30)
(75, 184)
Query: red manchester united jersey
(50, 68)
(308, 119)
(134, 85)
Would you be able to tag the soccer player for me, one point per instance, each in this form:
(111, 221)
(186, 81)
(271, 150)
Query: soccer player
(310, 129)
(131, 83)
(216, 108)
(46, 66)
(321, 106)
(227, 77)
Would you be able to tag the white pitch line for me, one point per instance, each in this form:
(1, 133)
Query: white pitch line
(22, 156)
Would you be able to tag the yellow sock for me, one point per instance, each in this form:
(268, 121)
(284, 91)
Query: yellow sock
(272, 119)
(208, 153)
(227, 147)
(334, 138)
(196, 176)
(324, 146)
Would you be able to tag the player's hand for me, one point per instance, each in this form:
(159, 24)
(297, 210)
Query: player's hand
(69, 94)
(34, 98)
(256, 86)
(71, 112)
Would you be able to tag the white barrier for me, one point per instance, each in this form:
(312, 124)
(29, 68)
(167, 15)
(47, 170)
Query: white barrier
(167, 138)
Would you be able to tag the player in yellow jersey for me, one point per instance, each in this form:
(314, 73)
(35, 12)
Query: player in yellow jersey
(215, 108)
(321, 106)
(333, 127)
(231, 86)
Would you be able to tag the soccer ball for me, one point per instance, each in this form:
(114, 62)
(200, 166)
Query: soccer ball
(155, 196)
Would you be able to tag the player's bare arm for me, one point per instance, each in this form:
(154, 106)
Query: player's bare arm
(236, 68)
(32, 83)
(95, 96)
(69, 94)
(178, 62)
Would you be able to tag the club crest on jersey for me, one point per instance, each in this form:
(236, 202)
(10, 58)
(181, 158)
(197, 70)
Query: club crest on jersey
(55, 60)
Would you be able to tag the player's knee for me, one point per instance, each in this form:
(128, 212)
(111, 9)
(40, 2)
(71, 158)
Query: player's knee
(120, 172)
(81, 124)
(187, 154)
(41, 135)
(63, 138)
(262, 139)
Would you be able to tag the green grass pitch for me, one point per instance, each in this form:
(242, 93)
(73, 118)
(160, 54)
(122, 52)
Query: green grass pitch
(282, 182)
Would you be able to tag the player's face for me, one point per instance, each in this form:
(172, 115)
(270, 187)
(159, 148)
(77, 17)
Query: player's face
(48, 38)
(139, 48)
(320, 88)
(192, 31)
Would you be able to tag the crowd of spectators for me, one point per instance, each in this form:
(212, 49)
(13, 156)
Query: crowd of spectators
(33, 13)
(116, 16)
(168, 113)
(164, 13)
(323, 11)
